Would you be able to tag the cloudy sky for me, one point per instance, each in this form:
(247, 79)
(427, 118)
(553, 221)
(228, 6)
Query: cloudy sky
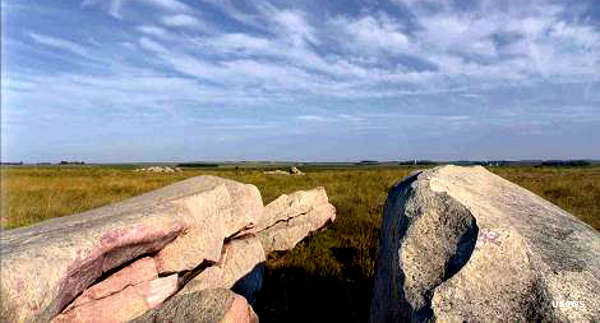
(173, 80)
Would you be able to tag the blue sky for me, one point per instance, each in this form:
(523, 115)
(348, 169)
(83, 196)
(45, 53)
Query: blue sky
(174, 80)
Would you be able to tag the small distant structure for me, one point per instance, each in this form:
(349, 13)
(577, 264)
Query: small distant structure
(158, 169)
(295, 171)
(292, 171)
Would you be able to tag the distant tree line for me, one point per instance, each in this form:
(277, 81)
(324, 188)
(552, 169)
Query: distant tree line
(566, 163)
(197, 165)
(65, 162)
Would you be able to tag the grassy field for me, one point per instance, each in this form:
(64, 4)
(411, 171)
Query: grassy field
(327, 277)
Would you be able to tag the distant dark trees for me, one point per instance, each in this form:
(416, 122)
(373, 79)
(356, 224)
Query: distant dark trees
(566, 163)
(11, 163)
(417, 162)
(367, 162)
(197, 165)
(64, 162)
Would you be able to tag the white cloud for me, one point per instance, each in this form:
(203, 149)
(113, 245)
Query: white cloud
(310, 117)
(294, 25)
(128, 45)
(371, 34)
(350, 117)
(151, 45)
(59, 43)
(152, 30)
(238, 42)
(182, 21)
(291, 53)
(173, 5)
(115, 7)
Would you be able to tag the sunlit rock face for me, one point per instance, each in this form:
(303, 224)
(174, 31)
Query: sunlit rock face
(290, 218)
(462, 244)
(117, 262)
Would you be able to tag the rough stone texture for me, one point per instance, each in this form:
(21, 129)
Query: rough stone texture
(461, 244)
(234, 209)
(45, 266)
(290, 218)
(241, 268)
(114, 263)
(140, 271)
(208, 306)
(203, 239)
(125, 305)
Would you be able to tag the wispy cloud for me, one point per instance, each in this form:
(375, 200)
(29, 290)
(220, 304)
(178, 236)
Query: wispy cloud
(182, 21)
(151, 45)
(59, 43)
(419, 66)
(312, 118)
(173, 5)
(115, 7)
(152, 30)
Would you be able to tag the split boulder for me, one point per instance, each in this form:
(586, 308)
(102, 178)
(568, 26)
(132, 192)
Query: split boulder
(462, 244)
(45, 266)
(177, 254)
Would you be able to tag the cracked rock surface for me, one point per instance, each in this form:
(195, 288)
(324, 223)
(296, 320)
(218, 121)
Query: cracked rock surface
(117, 262)
(290, 218)
(462, 244)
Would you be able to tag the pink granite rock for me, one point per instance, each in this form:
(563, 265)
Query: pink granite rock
(239, 312)
(124, 305)
(231, 208)
(45, 266)
(136, 273)
(290, 218)
(203, 239)
(288, 206)
(241, 264)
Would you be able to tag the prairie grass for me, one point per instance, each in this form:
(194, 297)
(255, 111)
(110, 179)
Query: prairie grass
(327, 277)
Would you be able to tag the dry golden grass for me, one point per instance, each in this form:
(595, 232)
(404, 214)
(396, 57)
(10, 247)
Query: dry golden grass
(327, 277)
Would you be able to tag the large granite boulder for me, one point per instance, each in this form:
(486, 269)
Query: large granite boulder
(207, 306)
(290, 218)
(460, 244)
(177, 244)
(45, 266)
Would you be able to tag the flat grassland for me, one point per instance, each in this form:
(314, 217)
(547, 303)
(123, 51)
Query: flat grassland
(327, 277)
